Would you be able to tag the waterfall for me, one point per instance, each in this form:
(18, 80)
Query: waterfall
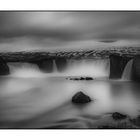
(88, 67)
(127, 71)
(18, 69)
(80, 67)
(19, 65)
(54, 66)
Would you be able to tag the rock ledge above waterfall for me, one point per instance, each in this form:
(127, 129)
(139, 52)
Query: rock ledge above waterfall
(41, 55)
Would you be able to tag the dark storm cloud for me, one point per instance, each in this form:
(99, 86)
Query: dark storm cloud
(65, 28)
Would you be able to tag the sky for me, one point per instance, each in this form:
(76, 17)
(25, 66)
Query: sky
(67, 30)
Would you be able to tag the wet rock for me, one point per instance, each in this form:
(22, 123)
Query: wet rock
(46, 65)
(118, 116)
(80, 98)
(4, 69)
(82, 78)
(89, 78)
(117, 65)
(61, 64)
(75, 79)
(136, 121)
(136, 69)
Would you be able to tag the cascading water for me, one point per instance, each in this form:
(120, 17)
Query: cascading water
(54, 67)
(83, 67)
(24, 70)
(88, 67)
(127, 71)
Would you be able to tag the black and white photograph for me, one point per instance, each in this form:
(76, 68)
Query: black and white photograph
(69, 69)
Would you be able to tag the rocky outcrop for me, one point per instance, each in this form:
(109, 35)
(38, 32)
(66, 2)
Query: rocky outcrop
(136, 69)
(117, 65)
(88, 78)
(118, 116)
(46, 65)
(26, 56)
(80, 98)
(81, 78)
(61, 64)
(4, 69)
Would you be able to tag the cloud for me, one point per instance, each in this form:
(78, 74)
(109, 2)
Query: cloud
(108, 41)
(58, 29)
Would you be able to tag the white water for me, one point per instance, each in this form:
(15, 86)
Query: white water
(127, 71)
(54, 67)
(24, 70)
(87, 67)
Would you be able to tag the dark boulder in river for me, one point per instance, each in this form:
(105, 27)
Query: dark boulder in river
(4, 69)
(80, 98)
(117, 65)
(118, 116)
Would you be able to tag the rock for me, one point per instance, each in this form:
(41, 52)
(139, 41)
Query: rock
(4, 69)
(136, 69)
(82, 78)
(75, 79)
(136, 121)
(117, 65)
(89, 78)
(106, 127)
(46, 65)
(61, 64)
(118, 116)
(80, 98)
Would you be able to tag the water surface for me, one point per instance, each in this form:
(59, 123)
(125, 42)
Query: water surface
(45, 102)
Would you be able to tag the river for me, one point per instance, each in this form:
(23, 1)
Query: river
(35, 102)
(30, 98)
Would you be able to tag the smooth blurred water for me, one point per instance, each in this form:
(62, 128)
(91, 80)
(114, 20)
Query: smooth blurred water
(42, 102)
(30, 98)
